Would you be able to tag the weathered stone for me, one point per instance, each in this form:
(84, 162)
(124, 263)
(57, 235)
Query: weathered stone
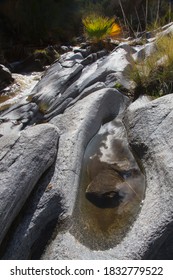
(87, 91)
(149, 126)
(64, 49)
(69, 146)
(77, 126)
(117, 61)
(47, 93)
(64, 83)
(144, 51)
(58, 110)
(18, 116)
(5, 77)
(42, 210)
(89, 59)
(24, 159)
(19, 112)
(84, 52)
(93, 57)
(167, 30)
(150, 134)
(70, 59)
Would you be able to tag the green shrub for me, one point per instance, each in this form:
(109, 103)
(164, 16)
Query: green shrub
(99, 27)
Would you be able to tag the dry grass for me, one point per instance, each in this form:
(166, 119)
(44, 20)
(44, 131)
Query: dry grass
(154, 75)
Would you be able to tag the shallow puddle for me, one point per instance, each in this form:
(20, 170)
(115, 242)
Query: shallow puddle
(108, 163)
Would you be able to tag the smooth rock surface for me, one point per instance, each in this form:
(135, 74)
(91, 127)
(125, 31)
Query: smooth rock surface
(24, 158)
(61, 83)
(68, 81)
(144, 52)
(47, 93)
(150, 134)
(72, 149)
(77, 125)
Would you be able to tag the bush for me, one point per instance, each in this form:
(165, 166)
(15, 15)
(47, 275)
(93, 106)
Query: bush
(98, 28)
(154, 75)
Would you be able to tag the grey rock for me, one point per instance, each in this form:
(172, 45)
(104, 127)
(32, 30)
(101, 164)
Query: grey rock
(77, 125)
(62, 83)
(101, 53)
(150, 134)
(89, 59)
(125, 46)
(77, 128)
(69, 95)
(5, 77)
(93, 57)
(144, 51)
(19, 112)
(58, 110)
(87, 91)
(167, 30)
(24, 158)
(84, 52)
(70, 59)
(71, 56)
(47, 93)
(117, 61)
(18, 116)
(9, 127)
(64, 48)
(68, 63)
(42, 210)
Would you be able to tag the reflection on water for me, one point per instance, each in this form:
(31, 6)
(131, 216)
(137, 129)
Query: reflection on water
(107, 154)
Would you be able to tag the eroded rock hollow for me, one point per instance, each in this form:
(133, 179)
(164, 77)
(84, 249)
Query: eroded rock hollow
(86, 173)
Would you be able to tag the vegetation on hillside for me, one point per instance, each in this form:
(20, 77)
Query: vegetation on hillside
(39, 23)
(154, 75)
(51, 21)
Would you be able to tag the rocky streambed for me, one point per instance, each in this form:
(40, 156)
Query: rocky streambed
(86, 173)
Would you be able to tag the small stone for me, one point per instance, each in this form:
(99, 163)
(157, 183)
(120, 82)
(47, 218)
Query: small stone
(103, 191)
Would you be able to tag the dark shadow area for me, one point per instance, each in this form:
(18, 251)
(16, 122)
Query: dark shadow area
(47, 220)
(162, 248)
(39, 245)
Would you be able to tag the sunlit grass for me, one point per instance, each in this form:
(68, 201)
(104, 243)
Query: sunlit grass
(154, 75)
